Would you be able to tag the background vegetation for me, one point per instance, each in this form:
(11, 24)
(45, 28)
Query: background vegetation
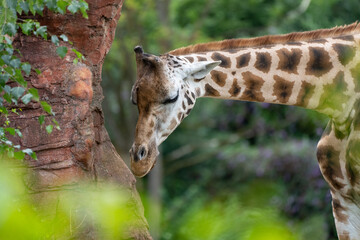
(232, 170)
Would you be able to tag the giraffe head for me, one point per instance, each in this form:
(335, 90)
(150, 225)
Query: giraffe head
(164, 93)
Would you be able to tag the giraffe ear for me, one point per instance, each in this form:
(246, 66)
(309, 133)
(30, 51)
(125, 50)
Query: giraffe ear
(200, 69)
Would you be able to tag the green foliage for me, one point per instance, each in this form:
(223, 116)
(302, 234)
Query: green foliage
(22, 218)
(223, 145)
(13, 70)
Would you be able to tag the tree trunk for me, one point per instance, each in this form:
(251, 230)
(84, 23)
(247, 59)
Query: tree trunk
(81, 150)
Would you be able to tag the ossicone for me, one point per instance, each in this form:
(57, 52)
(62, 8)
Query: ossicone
(142, 57)
(138, 49)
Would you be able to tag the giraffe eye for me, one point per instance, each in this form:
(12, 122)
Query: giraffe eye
(171, 100)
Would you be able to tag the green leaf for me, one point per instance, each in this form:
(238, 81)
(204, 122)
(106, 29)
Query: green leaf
(18, 132)
(27, 26)
(19, 78)
(55, 40)
(4, 78)
(74, 6)
(8, 40)
(15, 63)
(37, 71)
(32, 8)
(30, 153)
(35, 94)
(10, 130)
(4, 110)
(49, 128)
(42, 31)
(9, 29)
(61, 6)
(7, 89)
(7, 97)
(64, 37)
(26, 67)
(17, 92)
(9, 50)
(11, 4)
(24, 6)
(78, 54)
(84, 7)
(61, 51)
(19, 155)
(57, 126)
(26, 98)
(6, 59)
(46, 107)
(41, 119)
(51, 4)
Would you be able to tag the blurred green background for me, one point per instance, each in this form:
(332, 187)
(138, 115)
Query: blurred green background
(232, 170)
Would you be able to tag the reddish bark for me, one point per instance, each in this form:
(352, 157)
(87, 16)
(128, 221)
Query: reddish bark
(82, 148)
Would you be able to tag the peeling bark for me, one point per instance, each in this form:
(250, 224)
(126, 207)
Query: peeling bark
(81, 150)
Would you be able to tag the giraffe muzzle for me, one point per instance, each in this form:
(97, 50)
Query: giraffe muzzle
(138, 153)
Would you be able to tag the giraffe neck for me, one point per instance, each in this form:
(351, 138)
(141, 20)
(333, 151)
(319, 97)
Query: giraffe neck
(319, 74)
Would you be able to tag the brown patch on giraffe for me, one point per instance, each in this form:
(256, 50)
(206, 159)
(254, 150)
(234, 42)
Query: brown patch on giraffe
(329, 162)
(355, 73)
(188, 111)
(263, 61)
(319, 62)
(282, 89)
(218, 77)
(336, 32)
(289, 59)
(201, 58)
(193, 95)
(306, 92)
(173, 124)
(344, 236)
(146, 110)
(352, 158)
(165, 135)
(152, 123)
(333, 96)
(339, 211)
(235, 89)
(183, 106)
(149, 134)
(225, 61)
(232, 50)
(198, 79)
(253, 86)
(210, 91)
(189, 100)
(318, 41)
(345, 53)
(198, 92)
(233, 73)
(179, 116)
(294, 43)
(243, 60)
(191, 59)
(349, 38)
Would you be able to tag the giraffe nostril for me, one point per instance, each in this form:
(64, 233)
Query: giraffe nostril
(141, 153)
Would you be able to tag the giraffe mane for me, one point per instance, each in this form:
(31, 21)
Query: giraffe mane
(269, 40)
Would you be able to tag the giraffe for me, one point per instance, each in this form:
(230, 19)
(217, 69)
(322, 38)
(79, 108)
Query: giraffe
(317, 70)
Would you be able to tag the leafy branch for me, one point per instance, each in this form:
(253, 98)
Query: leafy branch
(13, 86)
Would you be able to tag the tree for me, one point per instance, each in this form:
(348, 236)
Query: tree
(81, 150)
